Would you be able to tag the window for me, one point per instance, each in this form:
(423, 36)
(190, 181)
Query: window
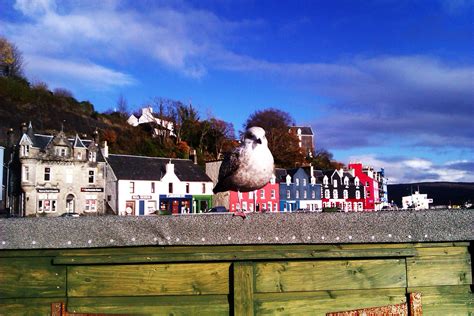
(297, 181)
(26, 173)
(304, 181)
(269, 207)
(334, 183)
(346, 181)
(153, 187)
(325, 180)
(313, 194)
(305, 194)
(262, 194)
(91, 205)
(250, 207)
(91, 176)
(170, 187)
(151, 206)
(346, 194)
(92, 156)
(357, 194)
(275, 207)
(25, 150)
(251, 195)
(273, 194)
(47, 205)
(187, 187)
(334, 194)
(239, 195)
(47, 174)
(356, 181)
(288, 194)
(297, 194)
(132, 187)
(368, 194)
(244, 206)
(327, 194)
(79, 155)
(203, 188)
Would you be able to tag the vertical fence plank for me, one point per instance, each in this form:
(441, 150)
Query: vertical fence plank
(243, 288)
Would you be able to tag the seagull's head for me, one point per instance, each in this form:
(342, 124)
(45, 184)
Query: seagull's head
(256, 136)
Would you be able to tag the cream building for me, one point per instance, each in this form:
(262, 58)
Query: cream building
(59, 175)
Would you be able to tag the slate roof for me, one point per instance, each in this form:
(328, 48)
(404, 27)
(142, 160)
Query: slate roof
(258, 228)
(127, 167)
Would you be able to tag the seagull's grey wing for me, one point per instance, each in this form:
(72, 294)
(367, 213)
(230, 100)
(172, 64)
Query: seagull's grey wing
(229, 166)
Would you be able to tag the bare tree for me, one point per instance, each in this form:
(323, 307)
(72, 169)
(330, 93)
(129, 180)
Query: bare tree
(122, 105)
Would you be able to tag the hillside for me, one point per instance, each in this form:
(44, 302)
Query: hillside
(21, 102)
(442, 193)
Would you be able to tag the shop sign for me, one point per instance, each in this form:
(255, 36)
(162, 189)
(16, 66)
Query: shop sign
(141, 197)
(92, 189)
(175, 195)
(50, 190)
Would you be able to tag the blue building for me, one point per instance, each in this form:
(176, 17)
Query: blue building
(299, 190)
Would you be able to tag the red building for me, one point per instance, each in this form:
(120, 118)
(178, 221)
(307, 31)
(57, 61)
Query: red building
(266, 199)
(368, 178)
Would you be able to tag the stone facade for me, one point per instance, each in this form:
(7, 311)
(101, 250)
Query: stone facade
(59, 175)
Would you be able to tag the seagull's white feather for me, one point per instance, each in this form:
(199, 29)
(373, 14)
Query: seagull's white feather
(249, 167)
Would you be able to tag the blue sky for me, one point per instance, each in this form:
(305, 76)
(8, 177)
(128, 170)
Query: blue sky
(389, 83)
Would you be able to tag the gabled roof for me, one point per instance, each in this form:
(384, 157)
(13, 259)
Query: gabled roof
(127, 167)
(77, 142)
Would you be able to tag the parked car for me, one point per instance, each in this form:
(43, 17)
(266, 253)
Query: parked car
(70, 215)
(218, 209)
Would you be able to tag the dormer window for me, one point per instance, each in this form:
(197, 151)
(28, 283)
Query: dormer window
(325, 180)
(25, 150)
(346, 181)
(356, 181)
(304, 181)
(92, 156)
(334, 183)
(297, 181)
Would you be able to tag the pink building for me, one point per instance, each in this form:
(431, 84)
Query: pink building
(266, 199)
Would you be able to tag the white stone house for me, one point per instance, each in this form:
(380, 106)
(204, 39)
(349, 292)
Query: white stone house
(417, 201)
(144, 185)
(148, 117)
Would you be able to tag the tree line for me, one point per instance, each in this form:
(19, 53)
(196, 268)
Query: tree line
(209, 137)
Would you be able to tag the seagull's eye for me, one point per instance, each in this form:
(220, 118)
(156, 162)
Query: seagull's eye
(258, 140)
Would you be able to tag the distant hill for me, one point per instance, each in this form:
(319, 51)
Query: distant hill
(442, 193)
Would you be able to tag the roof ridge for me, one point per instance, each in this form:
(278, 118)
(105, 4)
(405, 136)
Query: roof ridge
(149, 157)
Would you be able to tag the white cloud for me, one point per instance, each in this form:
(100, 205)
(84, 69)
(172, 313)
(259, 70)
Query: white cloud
(35, 7)
(412, 170)
(85, 73)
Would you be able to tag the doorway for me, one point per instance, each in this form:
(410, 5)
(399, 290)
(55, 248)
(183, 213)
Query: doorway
(70, 203)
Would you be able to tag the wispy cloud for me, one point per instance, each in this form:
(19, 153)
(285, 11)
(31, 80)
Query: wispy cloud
(409, 170)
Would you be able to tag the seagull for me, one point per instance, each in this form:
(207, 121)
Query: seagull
(248, 167)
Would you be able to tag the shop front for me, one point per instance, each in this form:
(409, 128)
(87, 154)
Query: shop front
(175, 203)
(201, 203)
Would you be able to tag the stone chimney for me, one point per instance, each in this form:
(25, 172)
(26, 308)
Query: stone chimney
(105, 149)
(24, 128)
(193, 156)
(95, 136)
(169, 167)
(10, 138)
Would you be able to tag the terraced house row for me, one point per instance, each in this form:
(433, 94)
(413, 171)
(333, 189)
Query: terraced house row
(49, 175)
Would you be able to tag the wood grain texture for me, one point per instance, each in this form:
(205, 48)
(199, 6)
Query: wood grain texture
(329, 275)
(31, 277)
(148, 279)
(322, 302)
(28, 306)
(243, 273)
(153, 305)
(439, 270)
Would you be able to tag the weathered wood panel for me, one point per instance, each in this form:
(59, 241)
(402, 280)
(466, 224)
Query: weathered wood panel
(439, 270)
(257, 254)
(31, 277)
(30, 306)
(329, 275)
(322, 302)
(149, 279)
(155, 305)
(243, 273)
